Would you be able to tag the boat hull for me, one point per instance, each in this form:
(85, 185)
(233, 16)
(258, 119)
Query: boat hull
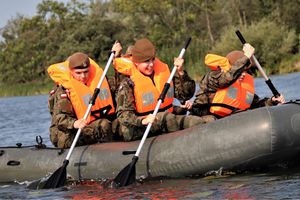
(251, 139)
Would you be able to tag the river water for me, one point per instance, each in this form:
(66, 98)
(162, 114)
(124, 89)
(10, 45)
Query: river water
(23, 118)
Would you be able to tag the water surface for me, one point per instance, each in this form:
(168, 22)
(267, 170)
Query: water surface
(23, 118)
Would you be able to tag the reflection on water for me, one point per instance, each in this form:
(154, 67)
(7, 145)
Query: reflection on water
(23, 118)
(250, 186)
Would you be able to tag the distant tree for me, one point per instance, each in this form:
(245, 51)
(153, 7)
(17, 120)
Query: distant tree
(272, 42)
(30, 45)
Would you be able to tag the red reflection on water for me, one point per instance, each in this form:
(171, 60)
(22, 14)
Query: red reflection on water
(92, 190)
(238, 195)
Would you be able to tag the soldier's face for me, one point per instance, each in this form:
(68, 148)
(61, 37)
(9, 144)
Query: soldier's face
(81, 75)
(146, 67)
(242, 77)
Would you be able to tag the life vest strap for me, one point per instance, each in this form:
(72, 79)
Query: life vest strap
(150, 112)
(208, 105)
(102, 111)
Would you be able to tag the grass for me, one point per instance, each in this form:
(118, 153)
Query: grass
(290, 65)
(26, 89)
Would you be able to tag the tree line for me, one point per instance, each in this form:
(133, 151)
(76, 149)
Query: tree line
(31, 44)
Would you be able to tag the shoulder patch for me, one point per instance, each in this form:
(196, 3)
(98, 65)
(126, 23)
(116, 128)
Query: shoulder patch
(52, 92)
(63, 96)
(67, 92)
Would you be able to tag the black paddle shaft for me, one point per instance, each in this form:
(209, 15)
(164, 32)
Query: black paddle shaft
(268, 81)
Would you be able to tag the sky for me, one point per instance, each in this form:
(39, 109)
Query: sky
(10, 8)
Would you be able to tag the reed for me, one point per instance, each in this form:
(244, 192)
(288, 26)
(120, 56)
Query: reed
(26, 89)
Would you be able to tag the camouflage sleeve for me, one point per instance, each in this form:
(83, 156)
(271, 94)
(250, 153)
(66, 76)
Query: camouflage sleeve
(219, 79)
(126, 104)
(114, 82)
(184, 87)
(112, 85)
(63, 113)
(214, 80)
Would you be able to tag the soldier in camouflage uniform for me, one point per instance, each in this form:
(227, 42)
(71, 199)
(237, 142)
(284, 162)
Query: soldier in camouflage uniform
(62, 128)
(64, 122)
(131, 125)
(216, 79)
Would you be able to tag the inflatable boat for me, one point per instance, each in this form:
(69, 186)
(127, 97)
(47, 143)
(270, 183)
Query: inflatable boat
(255, 138)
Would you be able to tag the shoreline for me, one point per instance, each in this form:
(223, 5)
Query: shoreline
(43, 88)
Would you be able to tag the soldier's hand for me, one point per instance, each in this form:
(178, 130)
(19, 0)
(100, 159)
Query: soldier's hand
(248, 50)
(149, 119)
(80, 123)
(117, 48)
(178, 62)
(279, 100)
(188, 105)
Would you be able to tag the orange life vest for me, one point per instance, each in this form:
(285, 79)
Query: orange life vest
(80, 94)
(215, 62)
(145, 92)
(238, 95)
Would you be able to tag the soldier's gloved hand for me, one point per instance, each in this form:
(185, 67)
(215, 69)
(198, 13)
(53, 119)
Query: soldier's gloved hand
(178, 62)
(80, 123)
(248, 50)
(149, 119)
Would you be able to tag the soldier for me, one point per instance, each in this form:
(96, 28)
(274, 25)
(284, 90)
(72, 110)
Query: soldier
(138, 94)
(229, 86)
(75, 81)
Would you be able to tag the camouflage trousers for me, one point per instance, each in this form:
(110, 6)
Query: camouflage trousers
(166, 122)
(97, 131)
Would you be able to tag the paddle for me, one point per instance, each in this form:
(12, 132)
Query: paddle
(59, 177)
(262, 72)
(127, 175)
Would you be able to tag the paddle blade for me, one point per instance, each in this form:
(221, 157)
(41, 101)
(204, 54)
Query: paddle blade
(58, 178)
(127, 174)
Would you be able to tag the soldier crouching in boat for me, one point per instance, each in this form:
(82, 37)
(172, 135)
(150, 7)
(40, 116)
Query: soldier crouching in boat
(229, 86)
(138, 94)
(76, 80)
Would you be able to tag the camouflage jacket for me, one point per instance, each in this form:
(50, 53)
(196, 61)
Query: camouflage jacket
(214, 80)
(61, 109)
(126, 111)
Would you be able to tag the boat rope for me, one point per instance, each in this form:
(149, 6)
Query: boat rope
(39, 145)
(294, 101)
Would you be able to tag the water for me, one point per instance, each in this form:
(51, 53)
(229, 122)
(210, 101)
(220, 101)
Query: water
(23, 118)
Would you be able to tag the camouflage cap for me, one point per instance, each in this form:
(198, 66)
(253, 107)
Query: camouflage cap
(143, 50)
(78, 60)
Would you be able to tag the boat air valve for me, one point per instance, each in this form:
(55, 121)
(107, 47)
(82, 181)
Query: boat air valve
(19, 145)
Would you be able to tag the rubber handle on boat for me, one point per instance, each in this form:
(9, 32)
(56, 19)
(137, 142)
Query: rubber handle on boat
(240, 36)
(187, 43)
